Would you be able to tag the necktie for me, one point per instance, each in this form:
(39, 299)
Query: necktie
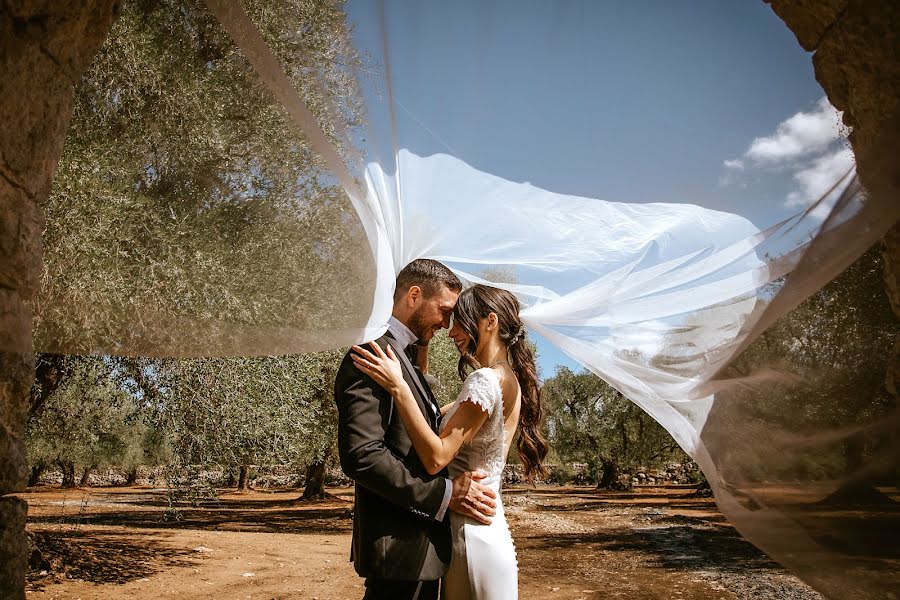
(412, 351)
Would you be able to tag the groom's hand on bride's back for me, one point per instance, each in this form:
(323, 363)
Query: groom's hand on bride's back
(471, 498)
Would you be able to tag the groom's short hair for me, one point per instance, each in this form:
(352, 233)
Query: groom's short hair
(429, 275)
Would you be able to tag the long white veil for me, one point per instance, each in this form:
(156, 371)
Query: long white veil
(655, 298)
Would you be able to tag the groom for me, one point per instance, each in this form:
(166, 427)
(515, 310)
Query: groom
(401, 533)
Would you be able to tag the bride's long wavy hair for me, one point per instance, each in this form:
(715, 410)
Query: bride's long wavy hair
(476, 303)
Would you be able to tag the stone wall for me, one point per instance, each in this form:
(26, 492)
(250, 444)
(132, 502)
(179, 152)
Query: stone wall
(45, 45)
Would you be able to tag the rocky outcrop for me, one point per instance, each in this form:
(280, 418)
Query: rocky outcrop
(45, 45)
(891, 255)
(857, 62)
(809, 19)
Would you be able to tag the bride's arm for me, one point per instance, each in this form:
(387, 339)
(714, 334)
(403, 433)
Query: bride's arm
(434, 451)
(445, 408)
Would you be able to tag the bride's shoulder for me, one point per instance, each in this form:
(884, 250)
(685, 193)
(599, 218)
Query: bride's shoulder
(482, 387)
(483, 376)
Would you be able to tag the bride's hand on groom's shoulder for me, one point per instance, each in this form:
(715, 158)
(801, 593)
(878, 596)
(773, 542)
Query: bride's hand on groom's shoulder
(382, 366)
(472, 499)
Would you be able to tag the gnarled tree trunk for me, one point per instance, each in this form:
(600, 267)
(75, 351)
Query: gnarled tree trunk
(68, 471)
(37, 470)
(131, 478)
(244, 478)
(609, 477)
(86, 475)
(315, 480)
(857, 62)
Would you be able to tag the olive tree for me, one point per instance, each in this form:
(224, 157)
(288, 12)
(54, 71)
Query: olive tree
(588, 421)
(90, 421)
(189, 216)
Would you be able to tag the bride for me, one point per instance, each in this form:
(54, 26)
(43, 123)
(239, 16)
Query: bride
(500, 395)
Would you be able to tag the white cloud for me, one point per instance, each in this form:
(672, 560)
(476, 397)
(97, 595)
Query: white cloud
(819, 176)
(802, 134)
(806, 145)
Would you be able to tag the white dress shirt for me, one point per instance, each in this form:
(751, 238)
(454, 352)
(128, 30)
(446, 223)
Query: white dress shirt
(406, 337)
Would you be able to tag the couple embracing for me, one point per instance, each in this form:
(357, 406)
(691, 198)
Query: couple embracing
(428, 514)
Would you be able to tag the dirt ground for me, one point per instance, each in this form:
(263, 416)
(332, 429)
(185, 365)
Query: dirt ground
(656, 543)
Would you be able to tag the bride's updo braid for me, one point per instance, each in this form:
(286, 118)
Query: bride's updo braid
(476, 303)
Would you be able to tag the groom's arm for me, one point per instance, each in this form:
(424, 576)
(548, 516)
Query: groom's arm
(363, 415)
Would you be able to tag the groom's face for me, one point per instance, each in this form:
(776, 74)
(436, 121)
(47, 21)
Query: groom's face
(432, 314)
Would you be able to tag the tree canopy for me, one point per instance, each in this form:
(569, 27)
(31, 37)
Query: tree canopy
(185, 201)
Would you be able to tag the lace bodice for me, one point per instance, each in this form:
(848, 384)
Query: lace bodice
(487, 450)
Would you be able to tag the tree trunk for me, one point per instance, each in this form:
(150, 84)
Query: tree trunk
(86, 475)
(244, 478)
(44, 48)
(37, 470)
(50, 372)
(704, 489)
(315, 480)
(609, 480)
(854, 448)
(68, 471)
(131, 479)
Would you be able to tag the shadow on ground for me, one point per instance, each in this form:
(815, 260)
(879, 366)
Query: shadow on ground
(669, 546)
(101, 557)
(268, 517)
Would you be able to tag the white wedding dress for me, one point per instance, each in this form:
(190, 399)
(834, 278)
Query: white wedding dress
(483, 565)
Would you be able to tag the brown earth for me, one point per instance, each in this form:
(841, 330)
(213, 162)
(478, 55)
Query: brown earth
(573, 542)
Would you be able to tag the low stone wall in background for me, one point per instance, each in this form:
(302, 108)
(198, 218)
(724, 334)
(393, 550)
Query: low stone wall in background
(289, 476)
(272, 476)
(577, 474)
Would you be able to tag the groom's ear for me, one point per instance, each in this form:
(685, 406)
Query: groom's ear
(413, 295)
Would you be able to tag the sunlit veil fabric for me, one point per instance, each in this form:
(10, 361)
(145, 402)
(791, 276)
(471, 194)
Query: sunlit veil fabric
(643, 266)
(664, 296)
(656, 299)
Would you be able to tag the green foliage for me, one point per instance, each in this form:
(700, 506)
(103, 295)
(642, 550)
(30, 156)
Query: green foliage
(590, 422)
(443, 360)
(188, 413)
(188, 216)
(561, 475)
(90, 421)
(246, 411)
(839, 343)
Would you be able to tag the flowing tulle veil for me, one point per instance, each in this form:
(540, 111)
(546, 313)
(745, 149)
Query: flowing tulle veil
(658, 299)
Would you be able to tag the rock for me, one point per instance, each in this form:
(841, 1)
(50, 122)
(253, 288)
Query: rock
(36, 559)
(17, 373)
(45, 45)
(13, 547)
(808, 19)
(891, 254)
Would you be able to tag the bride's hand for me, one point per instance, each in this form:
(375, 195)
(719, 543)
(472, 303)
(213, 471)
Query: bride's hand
(383, 367)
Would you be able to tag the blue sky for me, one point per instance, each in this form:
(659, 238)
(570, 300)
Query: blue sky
(630, 102)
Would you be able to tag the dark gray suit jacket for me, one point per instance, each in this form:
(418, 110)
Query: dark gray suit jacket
(395, 535)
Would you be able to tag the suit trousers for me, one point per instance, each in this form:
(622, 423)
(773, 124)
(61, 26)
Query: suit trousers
(389, 589)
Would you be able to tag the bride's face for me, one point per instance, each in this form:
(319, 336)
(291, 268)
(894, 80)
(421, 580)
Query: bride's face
(459, 337)
(464, 341)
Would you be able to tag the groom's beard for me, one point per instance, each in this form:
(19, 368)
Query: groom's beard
(419, 328)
